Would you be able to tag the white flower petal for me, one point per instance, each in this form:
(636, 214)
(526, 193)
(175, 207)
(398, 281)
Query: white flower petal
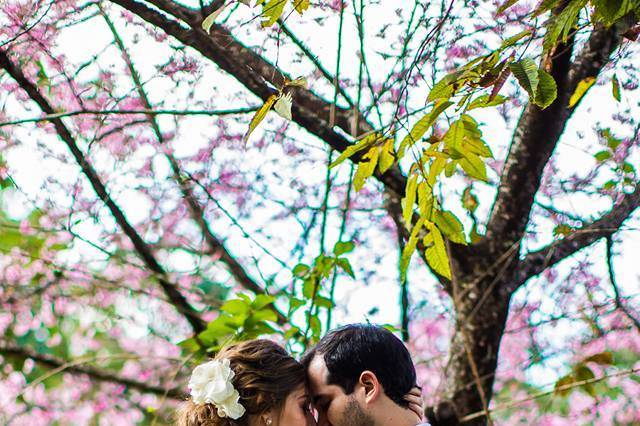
(283, 106)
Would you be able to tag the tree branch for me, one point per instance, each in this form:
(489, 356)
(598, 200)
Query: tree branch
(537, 134)
(76, 367)
(259, 76)
(614, 284)
(143, 250)
(536, 262)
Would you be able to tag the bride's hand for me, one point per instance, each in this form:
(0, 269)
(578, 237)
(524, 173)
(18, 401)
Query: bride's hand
(416, 404)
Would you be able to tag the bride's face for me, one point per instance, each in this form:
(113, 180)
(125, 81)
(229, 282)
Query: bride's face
(296, 410)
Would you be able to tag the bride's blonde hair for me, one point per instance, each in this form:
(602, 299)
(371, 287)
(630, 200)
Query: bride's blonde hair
(265, 374)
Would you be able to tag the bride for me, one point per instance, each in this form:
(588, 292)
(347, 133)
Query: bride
(253, 383)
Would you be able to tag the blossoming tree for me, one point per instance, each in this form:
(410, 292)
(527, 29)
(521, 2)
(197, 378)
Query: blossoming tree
(176, 175)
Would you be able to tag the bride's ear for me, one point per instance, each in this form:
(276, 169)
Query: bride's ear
(371, 386)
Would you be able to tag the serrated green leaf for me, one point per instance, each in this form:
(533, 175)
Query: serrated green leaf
(450, 226)
(443, 89)
(615, 88)
(409, 199)
(436, 254)
(610, 11)
(547, 89)
(420, 128)
(301, 5)
(260, 115)
(363, 144)
(425, 199)
(271, 11)
(514, 39)
(474, 166)
(437, 166)
(581, 89)
(526, 71)
(485, 101)
(386, 156)
(409, 248)
(450, 168)
(560, 25)
(366, 168)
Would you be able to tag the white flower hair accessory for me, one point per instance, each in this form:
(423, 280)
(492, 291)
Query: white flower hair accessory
(210, 383)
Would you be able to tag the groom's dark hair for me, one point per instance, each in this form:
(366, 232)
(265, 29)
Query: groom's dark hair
(348, 351)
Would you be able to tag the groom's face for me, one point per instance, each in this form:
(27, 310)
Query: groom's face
(335, 407)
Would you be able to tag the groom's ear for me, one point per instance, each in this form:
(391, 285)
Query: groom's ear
(371, 385)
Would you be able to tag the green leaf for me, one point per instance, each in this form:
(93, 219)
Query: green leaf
(259, 116)
(261, 301)
(436, 254)
(425, 199)
(301, 5)
(582, 373)
(342, 247)
(547, 90)
(409, 248)
(602, 156)
(506, 5)
(581, 89)
(366, 168)
(345, 265)
(602, 358)
(235, 307)
(615, 88)
(514, 39)
(450, 226)
(409, 199)
(357, 147)
(526, 71)
(420, 128)
(485, 101)
(565, 381)
(474, 166)
(264, 315)
(301, 270)
(324, 302)
(443, 89)
(628, 167)
(560, 25)
(386, 156)
(437, 166)
(271, 11)
(610, 11)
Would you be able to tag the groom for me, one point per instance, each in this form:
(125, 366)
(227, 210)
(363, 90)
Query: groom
(358, 375)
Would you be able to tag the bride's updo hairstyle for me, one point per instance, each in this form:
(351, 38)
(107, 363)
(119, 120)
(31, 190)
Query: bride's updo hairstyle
(265, 374)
